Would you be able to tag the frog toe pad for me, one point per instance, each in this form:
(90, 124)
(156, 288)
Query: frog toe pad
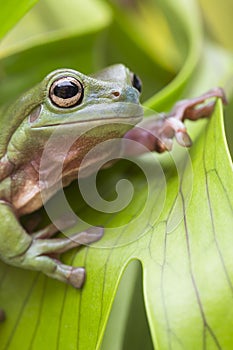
(77, 277)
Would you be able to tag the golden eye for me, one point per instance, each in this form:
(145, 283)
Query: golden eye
(66, 92)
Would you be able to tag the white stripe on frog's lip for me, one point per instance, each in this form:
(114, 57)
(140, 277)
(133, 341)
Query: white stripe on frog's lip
(124, 120)
(82, 115)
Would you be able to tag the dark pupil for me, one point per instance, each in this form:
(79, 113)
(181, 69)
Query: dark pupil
(137, 83)
(66, 89)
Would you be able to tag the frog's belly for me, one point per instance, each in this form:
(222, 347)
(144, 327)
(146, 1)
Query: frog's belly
(36, 189)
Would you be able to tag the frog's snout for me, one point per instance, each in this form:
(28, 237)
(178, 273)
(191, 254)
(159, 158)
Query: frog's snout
(128, 94)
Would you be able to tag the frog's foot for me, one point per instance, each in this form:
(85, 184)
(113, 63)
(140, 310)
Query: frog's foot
(20, 249)
(172, 125)
(2, 315)
(40, 256)
(47, 232)
(188, 109)
(63, 223)
(157, 134)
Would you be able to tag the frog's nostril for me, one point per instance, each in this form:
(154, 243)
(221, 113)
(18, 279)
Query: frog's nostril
(116, 93)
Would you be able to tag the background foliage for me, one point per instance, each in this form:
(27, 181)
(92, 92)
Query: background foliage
(184, 268)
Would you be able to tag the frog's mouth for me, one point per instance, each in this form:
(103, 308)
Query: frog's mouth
(100, 114)
(129, 120)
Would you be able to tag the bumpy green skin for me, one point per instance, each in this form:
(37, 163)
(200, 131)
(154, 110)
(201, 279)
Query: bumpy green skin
(25, 128)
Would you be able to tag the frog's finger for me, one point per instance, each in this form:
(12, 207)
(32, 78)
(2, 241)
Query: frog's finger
(157, 133)
(61, 245)
(201, 112)
(38, 254)
(55, 269)
(46, 232)
(186, 109)
(63, 223)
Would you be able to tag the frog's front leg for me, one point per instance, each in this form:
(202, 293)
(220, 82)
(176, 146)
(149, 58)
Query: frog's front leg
(20, 249)
(157, 133)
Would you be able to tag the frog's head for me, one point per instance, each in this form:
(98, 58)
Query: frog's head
(74, 98)
(69, 103)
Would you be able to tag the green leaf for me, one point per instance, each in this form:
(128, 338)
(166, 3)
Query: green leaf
(128, 324)
(11, 12)
(188, 300)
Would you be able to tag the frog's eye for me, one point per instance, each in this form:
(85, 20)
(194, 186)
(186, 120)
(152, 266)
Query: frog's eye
(66, 92)
(136, 82)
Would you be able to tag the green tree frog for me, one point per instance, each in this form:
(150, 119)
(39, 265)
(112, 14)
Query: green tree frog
(107, 101)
